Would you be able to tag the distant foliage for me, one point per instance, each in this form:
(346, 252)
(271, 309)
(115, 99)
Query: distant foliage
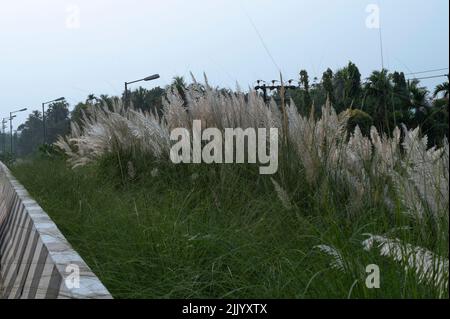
(30, 135)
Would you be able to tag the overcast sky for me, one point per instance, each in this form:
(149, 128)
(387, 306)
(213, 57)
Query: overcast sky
(53, 48)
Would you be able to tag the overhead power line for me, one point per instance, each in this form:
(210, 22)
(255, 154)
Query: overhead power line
(430, 77)
(261, 39)
(427, 71)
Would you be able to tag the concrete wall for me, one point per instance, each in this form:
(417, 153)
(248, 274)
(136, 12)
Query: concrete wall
(36, 261)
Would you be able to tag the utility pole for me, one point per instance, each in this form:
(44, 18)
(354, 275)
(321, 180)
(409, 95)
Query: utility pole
(4, 122)
(43, 116)
(265, 88)
(11, 117)
(126, 95)
(11, 131)
(44, 130)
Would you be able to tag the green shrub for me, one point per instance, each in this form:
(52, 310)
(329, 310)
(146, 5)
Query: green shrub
(361, 119)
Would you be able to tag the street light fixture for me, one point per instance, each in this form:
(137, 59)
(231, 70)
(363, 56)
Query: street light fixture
(10, 125)
(43, 115)
(148, 78)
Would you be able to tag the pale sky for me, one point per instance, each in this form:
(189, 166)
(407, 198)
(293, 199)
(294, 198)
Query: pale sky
(53, 48)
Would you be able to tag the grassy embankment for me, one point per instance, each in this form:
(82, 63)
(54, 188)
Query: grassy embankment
(218, 231)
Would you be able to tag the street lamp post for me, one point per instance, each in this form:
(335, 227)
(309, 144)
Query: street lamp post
(10, 125)
(43, 116)
(4, 122)
(148, 78)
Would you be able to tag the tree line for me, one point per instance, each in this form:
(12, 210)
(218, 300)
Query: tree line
(385, 100)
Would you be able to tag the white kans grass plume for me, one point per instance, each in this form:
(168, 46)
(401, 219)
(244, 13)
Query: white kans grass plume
(424, 188)
(430, 268)
(282, 194)
(104, 131)
(154, 172)
(317, 142)
(420, 175)
(337, 260)
(219, 110)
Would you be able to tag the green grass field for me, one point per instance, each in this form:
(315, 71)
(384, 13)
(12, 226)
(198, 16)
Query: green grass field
(217, 231)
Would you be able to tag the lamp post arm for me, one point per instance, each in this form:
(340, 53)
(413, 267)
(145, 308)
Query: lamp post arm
(134, 81)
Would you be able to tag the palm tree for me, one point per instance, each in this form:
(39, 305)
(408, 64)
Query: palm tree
(138, 98)
(442, 88)
(418, 102)
(179, 84)
(347, 83)
(106, 100)
(418, 95)
(379, 87)
(304, 80)
(91, 98)
(327, 83)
